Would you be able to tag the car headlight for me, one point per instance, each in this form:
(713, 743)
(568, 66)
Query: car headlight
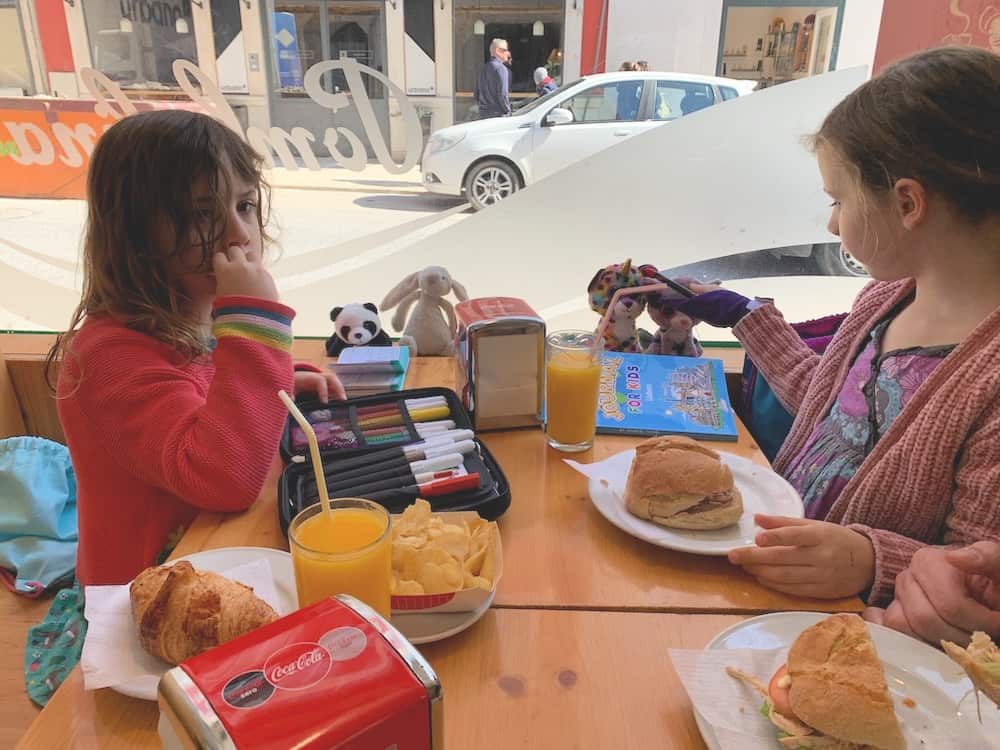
(442, 142)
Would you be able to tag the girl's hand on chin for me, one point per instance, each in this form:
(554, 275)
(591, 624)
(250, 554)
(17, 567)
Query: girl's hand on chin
(810, 558)
(240, 271)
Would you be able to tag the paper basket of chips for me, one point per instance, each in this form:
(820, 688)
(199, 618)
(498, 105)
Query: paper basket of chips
(443, 562)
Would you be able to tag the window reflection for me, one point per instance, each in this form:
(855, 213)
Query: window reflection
(135, 43)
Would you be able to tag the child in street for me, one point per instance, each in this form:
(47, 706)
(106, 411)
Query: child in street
(172, 362)
(896, 438)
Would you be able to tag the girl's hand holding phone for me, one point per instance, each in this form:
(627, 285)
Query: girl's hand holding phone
(804, 557)
(240, 271)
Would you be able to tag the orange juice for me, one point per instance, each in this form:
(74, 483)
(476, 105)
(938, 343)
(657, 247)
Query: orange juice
(348, 553)
(572, 379)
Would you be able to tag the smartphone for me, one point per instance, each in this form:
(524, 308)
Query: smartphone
(676, 286)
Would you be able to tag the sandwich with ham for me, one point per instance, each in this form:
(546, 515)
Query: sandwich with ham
(831, 694)
(679, 483)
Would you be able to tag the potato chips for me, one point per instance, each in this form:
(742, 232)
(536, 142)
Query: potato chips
(430, 556)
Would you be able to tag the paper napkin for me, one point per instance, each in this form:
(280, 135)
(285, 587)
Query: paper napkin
(612, 471)
(732, 708)
(112, 654)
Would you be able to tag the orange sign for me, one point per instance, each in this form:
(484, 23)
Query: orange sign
(45, 144)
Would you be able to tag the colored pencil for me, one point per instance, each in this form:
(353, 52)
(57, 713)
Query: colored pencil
(424, 428)
(389, 483)
(410, 403)
(431, 489)
(394, 408)
(418, 415)
(413, 450)
(400, 462)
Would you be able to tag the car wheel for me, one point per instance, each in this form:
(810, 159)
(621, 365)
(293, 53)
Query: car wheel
(490, 182)
(834, 260)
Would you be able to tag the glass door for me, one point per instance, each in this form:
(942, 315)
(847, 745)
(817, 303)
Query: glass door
(305, 32)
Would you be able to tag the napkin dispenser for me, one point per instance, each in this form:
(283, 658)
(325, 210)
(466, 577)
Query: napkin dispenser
(500, 362)
(334, 675)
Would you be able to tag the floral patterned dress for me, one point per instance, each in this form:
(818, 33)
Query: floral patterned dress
(877, 388)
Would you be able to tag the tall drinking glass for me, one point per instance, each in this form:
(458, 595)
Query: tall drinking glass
(347, 552)
(572, 377)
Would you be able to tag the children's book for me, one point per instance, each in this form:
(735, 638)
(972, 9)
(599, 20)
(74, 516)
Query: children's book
(384, 359)
(366, 370)
(651, 394)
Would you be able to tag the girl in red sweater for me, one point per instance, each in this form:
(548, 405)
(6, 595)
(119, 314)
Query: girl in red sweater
(896, 440)
(172, 362)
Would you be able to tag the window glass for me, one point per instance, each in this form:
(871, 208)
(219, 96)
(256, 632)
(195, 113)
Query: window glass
(136, 43)
(606, 103)
(299, 37)
(728, 93)
(534, 104)
(534, 34)
(14, 70)
(675, 99)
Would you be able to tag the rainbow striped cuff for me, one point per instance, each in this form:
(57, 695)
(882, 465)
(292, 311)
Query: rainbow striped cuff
(268, 325)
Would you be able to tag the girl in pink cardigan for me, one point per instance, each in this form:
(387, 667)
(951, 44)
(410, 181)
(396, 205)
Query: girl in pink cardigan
(896, 439)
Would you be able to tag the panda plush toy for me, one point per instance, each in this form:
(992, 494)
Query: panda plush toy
(355, 325)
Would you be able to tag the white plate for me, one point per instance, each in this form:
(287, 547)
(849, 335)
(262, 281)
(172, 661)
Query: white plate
(763, 492)
(218, 561)
(427, 627)
(913, 670)
(416, 628)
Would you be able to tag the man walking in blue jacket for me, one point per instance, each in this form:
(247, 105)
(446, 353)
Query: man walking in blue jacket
(493, 85)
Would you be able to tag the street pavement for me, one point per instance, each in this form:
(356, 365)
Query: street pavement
(343, 237)
(340, 238)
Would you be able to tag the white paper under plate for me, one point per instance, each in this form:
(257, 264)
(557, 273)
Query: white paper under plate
(763, 492)
(942, 716)
(220, 561)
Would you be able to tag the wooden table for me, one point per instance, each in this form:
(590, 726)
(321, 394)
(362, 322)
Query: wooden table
(574, 650)
(518, 679)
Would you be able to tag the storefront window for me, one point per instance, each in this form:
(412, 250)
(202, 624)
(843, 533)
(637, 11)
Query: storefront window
(534, 33)
(307, 32)
(135, 42)
(779, 42)
(15, 73)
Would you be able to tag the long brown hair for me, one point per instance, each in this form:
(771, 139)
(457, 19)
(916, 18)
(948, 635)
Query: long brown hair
(141, 215)
(933, 117)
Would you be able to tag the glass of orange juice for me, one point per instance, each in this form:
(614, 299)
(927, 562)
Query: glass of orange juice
(347, 552)
(572, 377)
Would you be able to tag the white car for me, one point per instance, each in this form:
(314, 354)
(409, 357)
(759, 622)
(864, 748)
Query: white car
(489, 160)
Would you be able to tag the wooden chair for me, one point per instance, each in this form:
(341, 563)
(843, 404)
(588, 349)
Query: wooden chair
(11, 419)
(17, 614)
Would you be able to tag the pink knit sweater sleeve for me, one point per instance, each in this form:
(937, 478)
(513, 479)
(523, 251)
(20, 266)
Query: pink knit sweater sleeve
(974, 514)
(784, 360)
(212, 449)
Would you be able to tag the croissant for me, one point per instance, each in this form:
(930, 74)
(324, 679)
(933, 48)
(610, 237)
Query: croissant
(181, 612)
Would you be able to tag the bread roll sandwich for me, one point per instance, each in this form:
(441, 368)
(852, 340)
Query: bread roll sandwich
(981, 661)
(679, 483)
(831, 694)
(181, 612)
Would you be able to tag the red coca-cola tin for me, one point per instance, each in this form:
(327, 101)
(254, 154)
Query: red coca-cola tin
(332, 675)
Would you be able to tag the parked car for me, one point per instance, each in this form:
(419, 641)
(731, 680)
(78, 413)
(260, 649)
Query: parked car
(830, 257)
(489, 160)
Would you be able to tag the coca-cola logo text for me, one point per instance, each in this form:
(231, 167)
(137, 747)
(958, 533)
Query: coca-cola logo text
(297, 666)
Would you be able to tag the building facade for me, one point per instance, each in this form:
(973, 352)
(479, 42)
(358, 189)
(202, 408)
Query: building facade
(259, 52)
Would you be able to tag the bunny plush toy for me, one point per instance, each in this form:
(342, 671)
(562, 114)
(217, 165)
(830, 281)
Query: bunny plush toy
(427, 331)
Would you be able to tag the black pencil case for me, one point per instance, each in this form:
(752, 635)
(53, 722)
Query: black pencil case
(297, 485)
